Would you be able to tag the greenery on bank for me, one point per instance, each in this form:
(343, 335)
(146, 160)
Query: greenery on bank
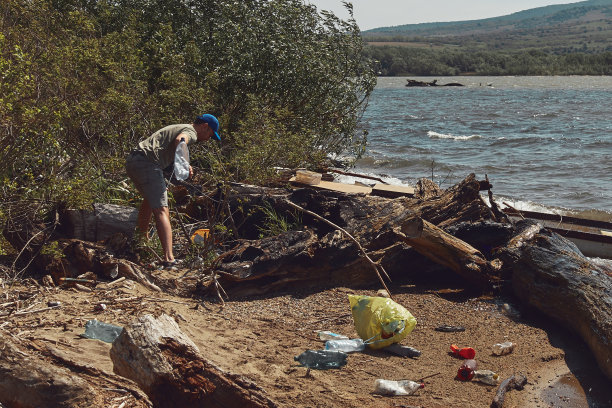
(82, 81)
(403, 60)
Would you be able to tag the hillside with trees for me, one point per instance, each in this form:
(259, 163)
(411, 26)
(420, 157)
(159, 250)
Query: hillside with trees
(568, 39)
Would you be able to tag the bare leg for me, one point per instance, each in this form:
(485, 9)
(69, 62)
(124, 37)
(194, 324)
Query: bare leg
(144, 218)
(164, 231)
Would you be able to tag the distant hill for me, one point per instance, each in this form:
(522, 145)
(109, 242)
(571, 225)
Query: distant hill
(560, 29)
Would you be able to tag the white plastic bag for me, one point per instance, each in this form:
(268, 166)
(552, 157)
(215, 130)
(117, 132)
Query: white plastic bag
(401, 387)
(181, 161)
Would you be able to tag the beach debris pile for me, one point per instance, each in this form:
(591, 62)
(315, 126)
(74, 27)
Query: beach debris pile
(346, 239)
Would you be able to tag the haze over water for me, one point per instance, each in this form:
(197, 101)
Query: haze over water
(542, 141)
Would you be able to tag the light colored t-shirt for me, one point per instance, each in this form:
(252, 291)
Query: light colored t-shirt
(159, 147)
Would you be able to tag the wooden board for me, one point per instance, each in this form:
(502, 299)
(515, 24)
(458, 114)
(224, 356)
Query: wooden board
(340, 187)
(392, 191)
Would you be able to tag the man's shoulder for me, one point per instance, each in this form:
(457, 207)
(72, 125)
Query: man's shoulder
(179, 128)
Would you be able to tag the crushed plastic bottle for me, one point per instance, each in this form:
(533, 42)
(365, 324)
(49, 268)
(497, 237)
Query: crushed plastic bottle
(403, 351)
(401, 387)
(181, 161)
(348, 346)
(95, 329)
(465, 352)
(500, 349)
(327, 335)
(322, 359)
(466, 371)
(486, 376)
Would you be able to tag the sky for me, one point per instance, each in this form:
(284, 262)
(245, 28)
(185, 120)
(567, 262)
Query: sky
(384, 13)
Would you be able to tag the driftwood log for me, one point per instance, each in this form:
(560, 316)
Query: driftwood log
(99, 223)
(459, 256)
(169, 368)
(24, 381)
(550, 274)
(49, 379)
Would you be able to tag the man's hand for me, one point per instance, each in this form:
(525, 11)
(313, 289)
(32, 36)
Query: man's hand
(190, 171)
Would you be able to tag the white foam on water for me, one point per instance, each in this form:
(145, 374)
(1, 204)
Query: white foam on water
(341, 178)
(436, 135)
(505, 202)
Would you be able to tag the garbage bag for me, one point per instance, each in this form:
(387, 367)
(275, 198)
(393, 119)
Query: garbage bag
(380, 321)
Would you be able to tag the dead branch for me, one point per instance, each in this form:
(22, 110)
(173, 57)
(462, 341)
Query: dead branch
(514, 382)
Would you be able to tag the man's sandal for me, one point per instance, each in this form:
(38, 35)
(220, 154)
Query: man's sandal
(171, 264)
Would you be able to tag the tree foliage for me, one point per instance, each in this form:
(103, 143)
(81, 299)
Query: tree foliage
(82, 81)
(403, 60)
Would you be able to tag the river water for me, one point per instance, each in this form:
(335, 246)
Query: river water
(544, 142)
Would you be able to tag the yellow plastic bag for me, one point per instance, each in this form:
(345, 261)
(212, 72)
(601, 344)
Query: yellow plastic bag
(380, 321)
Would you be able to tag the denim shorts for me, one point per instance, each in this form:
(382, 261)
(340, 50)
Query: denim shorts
(148, 178)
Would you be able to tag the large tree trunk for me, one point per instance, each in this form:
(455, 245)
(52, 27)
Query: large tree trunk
(453, 253)
(168, 366)
(50, 379)
(26, 381)
(550, 274)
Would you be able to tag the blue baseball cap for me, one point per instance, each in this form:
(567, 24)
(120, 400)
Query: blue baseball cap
(212, 122)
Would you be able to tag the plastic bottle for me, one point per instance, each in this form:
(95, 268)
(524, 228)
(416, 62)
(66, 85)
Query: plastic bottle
(401, 387)
(465, 352)
(95, 329)
(486, 376)
(500, 349)
(322, 359)
(348, 346)
(466, 371)
(181, 161)
(327, 335)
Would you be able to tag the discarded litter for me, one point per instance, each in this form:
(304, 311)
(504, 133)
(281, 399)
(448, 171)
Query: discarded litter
(449, 329)
(348, 346)
(322, 359)
(380, 321)
(200, 236)
(97, 330)
(463, 352)
(500, 349)
(54, 303)
(466, 371)
(100, 307)
(486, 376)
(403, 351)
(327, 335)
(401, 387)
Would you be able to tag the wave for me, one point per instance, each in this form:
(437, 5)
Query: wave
(524, 205)
(436, 135)
(546, 115)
